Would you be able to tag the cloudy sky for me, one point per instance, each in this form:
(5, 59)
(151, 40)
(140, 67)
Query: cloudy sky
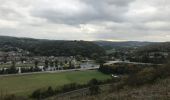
(142, 20)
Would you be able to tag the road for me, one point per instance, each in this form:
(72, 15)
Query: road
(128, 62)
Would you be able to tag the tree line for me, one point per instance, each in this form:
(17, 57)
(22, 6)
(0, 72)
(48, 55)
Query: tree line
(40, 47)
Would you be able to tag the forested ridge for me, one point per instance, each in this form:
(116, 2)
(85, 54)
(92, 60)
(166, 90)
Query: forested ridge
(44, 47)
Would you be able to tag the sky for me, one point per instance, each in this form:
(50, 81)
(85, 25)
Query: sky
(112, 20)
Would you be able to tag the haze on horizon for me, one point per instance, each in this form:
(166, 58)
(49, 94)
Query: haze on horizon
(113, 20)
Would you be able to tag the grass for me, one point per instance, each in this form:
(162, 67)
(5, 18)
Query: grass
(160, 90)
(24, 85)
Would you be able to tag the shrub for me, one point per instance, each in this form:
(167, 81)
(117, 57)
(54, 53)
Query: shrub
(121, 68)
(146, 76)
(36, 94)
(163, 71)
(94, 88)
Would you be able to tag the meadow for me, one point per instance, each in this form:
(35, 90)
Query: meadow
(25, 84)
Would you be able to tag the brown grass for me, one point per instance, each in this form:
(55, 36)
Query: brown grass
(158, 91)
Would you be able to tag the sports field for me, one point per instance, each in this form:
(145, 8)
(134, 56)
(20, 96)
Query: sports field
(24, 85)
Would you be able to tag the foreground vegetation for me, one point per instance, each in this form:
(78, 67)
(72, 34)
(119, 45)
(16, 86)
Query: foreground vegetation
(149, 83)
(118, 88)
(160, 90)
(26, 84)
(40, 86)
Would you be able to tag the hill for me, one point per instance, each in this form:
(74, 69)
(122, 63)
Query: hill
(50, 47)
(157, 91)
(150, 83)
(153, 53)
(110, 45)
(156, 47)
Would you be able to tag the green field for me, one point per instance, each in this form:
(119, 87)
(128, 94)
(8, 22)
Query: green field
(24, 85)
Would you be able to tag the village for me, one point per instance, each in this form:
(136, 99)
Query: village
(23, 63)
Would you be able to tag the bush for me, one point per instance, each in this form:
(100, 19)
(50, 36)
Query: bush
(70, 87)
(163, 71)
(37, 94)
(8, 97)
(146, 76)
(8, 71)
(44, 93)
(120, 69)
(31, 69)
(94, 88)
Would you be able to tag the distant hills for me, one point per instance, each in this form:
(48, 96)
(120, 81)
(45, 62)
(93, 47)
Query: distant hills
(111, 45)
(50, 47)
(45, 47)
(156, 47)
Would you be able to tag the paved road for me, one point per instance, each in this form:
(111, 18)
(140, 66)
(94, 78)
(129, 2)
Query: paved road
(57, 71)
(128, 62)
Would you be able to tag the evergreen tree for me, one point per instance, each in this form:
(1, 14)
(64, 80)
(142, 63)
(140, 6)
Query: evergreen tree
(56, 63)
(94, 88)
(36, 63)
(13, 69)
(46, 63)
(51, 64)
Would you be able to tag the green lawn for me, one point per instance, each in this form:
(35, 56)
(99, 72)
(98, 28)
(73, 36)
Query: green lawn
(24, 85)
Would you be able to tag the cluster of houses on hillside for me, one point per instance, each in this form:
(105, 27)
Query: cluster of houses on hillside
(49, 63)
(158, 55)
(20, 57)
(23, 57)
(7, 57)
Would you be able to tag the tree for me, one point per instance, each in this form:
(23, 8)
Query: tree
(36, 63)
(94, 88)
(46, 63)
(101, 61)
(145, 76)
(78, 57)
(56, 63)
(4, 59)
(49, 91)
(22, 59)
(51, 64)
(61, 63)
(70, 64)
(36, 94)
(12, 69)
(95, 56)
(65, 61)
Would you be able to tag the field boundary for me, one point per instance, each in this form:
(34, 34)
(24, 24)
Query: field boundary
(57, 71)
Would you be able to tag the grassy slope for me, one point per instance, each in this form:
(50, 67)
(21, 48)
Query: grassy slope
(158, 91)
(23, 85)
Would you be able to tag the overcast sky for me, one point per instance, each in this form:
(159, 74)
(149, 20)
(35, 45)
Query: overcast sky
(141, 20)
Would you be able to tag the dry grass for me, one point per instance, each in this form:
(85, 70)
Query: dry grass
(158, 91)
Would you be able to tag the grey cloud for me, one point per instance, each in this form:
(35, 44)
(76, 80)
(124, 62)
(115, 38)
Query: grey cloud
(110, 2)
(86, 19)
(90, 10)
(9, 14)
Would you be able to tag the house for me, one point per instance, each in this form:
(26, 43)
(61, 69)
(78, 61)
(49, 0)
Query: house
(2, 56)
